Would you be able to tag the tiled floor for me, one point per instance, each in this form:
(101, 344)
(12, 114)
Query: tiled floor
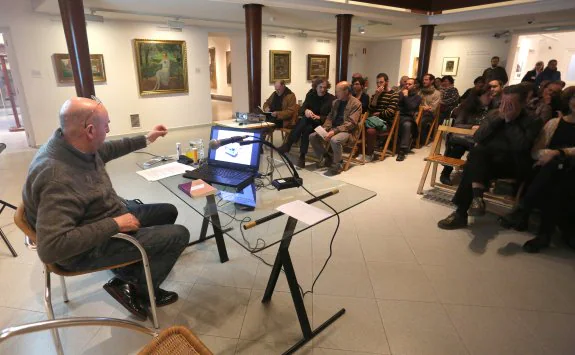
(408, 287)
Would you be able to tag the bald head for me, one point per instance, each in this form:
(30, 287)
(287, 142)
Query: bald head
(84, 123)
(343, 89)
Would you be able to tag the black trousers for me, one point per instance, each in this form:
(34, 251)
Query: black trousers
(425, 123)
(483, 165)
(163, 241)
(301, 131)
(405, 133)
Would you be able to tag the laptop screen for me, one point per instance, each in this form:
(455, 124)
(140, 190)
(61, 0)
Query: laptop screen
(235, 155)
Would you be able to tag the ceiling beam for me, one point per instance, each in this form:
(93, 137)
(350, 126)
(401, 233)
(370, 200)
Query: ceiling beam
(433, 6)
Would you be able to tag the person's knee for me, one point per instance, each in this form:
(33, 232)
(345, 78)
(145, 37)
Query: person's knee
(171, 213)
(180, 236)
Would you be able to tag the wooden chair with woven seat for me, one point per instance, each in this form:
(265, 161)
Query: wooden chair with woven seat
(176, 340)
(31, 241)
(389, 135)
(355, 142)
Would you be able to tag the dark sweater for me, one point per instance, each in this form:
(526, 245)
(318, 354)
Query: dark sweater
(69, 199)
(319, 105)
(547, 75)
(409, 105)
(497, 73)
(364, 98)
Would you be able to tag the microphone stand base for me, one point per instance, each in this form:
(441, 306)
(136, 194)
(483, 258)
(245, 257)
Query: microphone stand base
(287, 183)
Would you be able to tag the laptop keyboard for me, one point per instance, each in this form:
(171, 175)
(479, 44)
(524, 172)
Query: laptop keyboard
(214, 172)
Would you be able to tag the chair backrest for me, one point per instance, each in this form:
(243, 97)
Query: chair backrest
(20, 221)
(419, 115)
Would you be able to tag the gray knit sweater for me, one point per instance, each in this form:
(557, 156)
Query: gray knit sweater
(69, 199)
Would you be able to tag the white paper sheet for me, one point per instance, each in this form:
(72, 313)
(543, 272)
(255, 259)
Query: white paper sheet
(164, 171)
(303, 212)
(321, 131)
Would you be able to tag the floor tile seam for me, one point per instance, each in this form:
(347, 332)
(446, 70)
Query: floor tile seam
(506, 307)
(459, 336)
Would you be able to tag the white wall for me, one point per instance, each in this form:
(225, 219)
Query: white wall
(36, 37)
(383, 57)
(222, 45)
(300, 48)
(474, 52)
(240, 98)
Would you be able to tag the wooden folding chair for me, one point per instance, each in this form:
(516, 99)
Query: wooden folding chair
(436, 158)
(434, 124)
(285, 131)
(357, 141)
(391, 135)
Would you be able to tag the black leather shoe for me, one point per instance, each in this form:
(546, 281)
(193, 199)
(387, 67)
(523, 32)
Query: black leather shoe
(536, 244)
(453, 221)
(400, 156)
(518, 219)
(163, 297)
(126, 295)
(477, 208)
(300, 163)
(445, 180)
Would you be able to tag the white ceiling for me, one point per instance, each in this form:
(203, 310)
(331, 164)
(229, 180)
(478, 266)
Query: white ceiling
(317, 17)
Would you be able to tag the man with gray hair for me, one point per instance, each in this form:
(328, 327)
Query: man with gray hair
(340, 124)
(70, 202)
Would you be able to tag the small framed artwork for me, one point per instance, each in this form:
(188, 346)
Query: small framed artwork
(450, 66)
(317, 65)
(64, 72)
(229, 67)
(162, 66)
(213, 74)
(415, 67)
(280, 66)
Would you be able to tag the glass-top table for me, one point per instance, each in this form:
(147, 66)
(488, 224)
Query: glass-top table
(228, 220)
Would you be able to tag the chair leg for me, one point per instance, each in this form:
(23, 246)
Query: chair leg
(50, 310)
(5, 238)
(150, 290)
(423, 178)
(433, 174)
(64, 289)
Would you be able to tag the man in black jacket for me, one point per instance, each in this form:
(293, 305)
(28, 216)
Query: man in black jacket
(504, 142)
(495, 72)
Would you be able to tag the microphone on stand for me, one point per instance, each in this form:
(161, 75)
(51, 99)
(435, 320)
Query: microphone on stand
(216, 143)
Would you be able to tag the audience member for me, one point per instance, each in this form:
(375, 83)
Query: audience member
(409, 102)
(495, 72)
(449, 96)
(503, 144)
(549, 73)
(537, 106)
(552, 96)
(340, 124)
(314, 111)
(314, 82)
(70, 202)
(358, 92)
(383, 104)
(495, 88)
(478, 84)
(431, 98)
(401, 85)
(437, 83)
(281, 103)
(470, 114)
(554, 151)
(532, 75)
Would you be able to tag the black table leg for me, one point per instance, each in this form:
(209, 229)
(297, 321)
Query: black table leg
(212, 214)
(4, 237)
(283, 259)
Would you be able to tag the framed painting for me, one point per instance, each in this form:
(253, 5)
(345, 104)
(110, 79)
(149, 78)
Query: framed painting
(213, 74)
(414, 67)
(161, 66)
(450, 66)
(64, 73)
(229, 67)
(317, 65)
(280, 66)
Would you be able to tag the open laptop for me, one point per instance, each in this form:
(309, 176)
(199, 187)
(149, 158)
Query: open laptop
(268, 115)
(233, 164)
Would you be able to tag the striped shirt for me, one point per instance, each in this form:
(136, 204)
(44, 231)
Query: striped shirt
(386, 104)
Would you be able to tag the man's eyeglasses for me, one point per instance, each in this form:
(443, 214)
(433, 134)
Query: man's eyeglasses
(98, 103)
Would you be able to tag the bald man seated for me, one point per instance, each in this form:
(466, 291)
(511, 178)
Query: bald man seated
(70, 202)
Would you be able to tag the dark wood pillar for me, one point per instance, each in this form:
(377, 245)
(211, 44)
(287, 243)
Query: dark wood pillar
(10, 92)
(425, 50)
(342, 54)
(254, 52)
(72, 13)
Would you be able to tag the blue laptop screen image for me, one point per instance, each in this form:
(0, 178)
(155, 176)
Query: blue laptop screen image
(246, 197)
(234, 154)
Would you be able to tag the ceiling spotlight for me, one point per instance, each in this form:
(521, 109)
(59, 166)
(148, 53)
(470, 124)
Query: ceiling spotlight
(361, 30)
(93, 17)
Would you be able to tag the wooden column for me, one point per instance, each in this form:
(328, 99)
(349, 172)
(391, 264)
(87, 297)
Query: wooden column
(10, 92)
(74, 22)
(425, 50)
(254, 53)
(342, 53)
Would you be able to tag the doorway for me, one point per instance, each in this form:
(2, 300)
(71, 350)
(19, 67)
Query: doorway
(220, 72)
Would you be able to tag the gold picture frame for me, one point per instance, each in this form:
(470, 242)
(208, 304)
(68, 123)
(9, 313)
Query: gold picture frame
(162, 66)
(280, 66)
(317, 65)
(64, 73)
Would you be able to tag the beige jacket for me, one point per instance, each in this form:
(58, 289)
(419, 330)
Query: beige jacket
(351, 116)
(542, 142)
(432, 100)
(289, 105)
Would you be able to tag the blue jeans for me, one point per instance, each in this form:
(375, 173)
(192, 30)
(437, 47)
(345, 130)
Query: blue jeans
(163, 241)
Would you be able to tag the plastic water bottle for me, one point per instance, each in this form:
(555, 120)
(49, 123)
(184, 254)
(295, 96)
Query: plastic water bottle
(201, 150)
